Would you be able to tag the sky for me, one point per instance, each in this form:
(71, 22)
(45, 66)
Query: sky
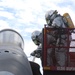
(26, 16)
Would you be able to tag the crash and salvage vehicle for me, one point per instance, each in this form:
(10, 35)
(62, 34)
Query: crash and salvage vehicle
(58, 70)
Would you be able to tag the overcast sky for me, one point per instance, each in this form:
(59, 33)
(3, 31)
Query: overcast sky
(26, 16)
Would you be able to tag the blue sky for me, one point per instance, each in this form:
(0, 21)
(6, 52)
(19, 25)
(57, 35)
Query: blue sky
(26, 16)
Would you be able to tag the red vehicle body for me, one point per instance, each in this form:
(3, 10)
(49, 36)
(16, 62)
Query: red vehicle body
(55, 70)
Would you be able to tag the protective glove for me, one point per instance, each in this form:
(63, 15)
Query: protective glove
(36, 53)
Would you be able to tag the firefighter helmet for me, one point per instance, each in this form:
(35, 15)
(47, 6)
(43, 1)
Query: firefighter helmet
(50, 15)
(35, 38)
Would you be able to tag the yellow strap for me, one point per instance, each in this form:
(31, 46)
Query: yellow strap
(46, 68)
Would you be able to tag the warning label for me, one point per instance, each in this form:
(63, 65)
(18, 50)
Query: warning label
(66, 68)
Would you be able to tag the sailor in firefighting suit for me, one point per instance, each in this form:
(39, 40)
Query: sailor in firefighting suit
(55, 20)
(37, 38)
(37, 52)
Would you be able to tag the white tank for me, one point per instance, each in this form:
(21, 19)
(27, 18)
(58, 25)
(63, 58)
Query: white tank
(13, 60)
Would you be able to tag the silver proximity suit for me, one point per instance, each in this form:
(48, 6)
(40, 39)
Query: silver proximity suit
(50, 41)
(61, 53)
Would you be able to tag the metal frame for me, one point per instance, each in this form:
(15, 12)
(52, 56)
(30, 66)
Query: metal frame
(45, 46)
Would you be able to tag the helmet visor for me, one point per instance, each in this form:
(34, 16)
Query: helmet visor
(36, 42)
(48, 21)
